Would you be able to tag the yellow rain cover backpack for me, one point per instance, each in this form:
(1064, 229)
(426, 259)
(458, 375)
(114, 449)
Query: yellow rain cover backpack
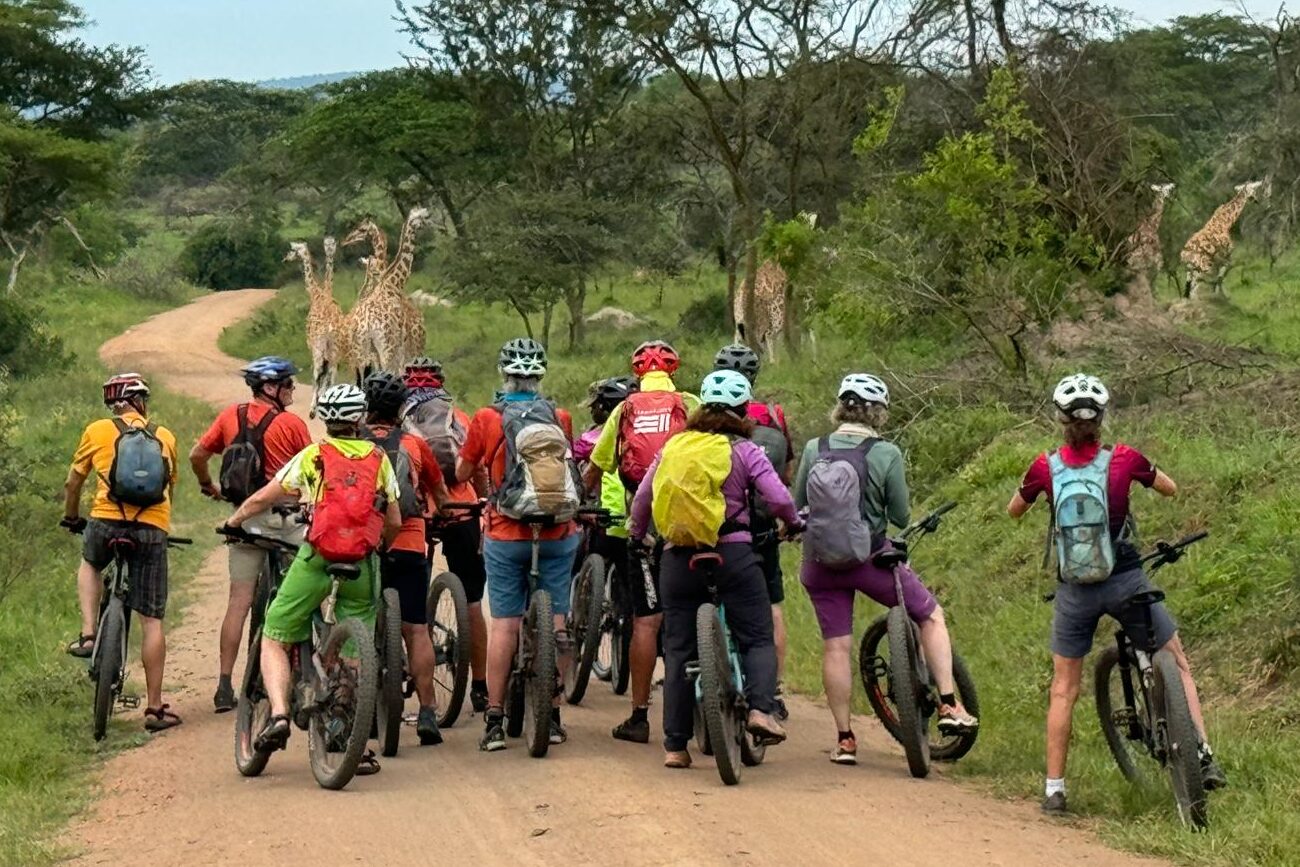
(689, 509)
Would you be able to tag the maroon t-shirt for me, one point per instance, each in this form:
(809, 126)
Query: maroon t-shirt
(1127, 465)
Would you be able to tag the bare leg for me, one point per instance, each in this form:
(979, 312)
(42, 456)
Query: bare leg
(89, 585)
(837, 678)
(232, 627)
(501, 653)
(778, 638)
(419, 652)
(478, 641)
(645, 649)
(153, 653)
(276, 675)
(1064, 693)
(1175, 646)
(937, 647)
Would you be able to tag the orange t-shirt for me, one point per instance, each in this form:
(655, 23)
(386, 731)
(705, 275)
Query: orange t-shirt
(285, 436)
(485, 441)
(461, 492)
(428, 475)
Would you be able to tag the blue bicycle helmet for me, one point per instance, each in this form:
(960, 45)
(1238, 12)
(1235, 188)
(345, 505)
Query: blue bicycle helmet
(725, 388)
(268, 368)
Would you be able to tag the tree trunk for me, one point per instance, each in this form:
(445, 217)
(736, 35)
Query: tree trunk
(1004, 35)
(523, 314)
(548, 313)
(793, 320)
(972, 42)
(730, 264)
(575, 297)
(454, 212)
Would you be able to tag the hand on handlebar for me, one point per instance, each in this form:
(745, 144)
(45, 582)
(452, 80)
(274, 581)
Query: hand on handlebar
(1169, 553)
(75, 526)
(210, 490)
(792, 532)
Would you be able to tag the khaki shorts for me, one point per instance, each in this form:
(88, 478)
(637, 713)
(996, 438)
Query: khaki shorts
(247, 561)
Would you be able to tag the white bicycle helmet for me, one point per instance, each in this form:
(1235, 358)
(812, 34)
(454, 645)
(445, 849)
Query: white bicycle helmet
(865, 388)
(1081, 396)
(725, 388)
(522, 357)
(344, 402)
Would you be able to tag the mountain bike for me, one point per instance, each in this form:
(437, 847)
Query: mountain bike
(899, 684)
(585, 619)
(108, 661)
(1142, 704)
(390, 650)
(618, 611)
(447, 612)
(721, 709)
(331, 699)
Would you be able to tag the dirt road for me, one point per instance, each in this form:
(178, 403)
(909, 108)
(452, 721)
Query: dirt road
(594, 800)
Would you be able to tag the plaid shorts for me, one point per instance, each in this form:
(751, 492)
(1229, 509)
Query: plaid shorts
(146, 565)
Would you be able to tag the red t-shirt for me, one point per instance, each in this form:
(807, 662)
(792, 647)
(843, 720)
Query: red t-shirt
(285, 436)
(1127, 465)
(485, 442)
(427, 477)
(772, 415)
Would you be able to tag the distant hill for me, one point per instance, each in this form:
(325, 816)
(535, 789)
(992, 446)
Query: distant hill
(302, 82)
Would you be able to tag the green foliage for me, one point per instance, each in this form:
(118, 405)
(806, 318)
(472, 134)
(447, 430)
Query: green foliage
(26, 344)
(706, 315)
(233, 254)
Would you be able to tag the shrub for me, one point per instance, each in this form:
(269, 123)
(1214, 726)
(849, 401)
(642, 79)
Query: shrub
(233, 255)
(705, 315)
(149, 276)
(26, 346)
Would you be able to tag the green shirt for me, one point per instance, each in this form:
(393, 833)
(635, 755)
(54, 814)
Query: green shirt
(605, 453)
(887, 495)
(302, 474)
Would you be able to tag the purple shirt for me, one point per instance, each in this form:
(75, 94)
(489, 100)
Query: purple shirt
(584, 444)
(750, 468)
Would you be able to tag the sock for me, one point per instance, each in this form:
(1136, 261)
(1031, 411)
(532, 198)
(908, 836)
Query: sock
(848, 735)
(494, 715)
(1205, 752)
(1054, 786)
(478, 685)
(640, 714)
(948, 699)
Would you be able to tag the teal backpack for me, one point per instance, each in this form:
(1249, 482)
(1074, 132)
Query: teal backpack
(1085, 552)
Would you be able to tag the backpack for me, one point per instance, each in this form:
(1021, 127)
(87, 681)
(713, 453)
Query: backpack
(1085, 552)
(139, 475)
(771, 439)
(243, 469)
(541, 478)
(348, 520)
(410, 502)
(646, 422)
(432, 417)
(838, 534)
(689, 509)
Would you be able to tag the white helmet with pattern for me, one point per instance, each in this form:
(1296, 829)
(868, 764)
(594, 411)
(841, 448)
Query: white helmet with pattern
(864, 388)
(341, 403)
(1081, 396)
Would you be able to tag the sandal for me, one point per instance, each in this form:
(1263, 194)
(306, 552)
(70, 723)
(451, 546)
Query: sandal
(368, 764)
(158, 719)
(83, 647)
(275, 736)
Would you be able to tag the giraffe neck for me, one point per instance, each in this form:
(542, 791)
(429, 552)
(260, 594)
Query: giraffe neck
(395, 276)
(378, 244)
(1152, 222)
(328, 285)
(1230, 212)
(309, 273)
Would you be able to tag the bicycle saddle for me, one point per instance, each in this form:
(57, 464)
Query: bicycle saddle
(343, 571)
(888, 558)
(126, 543)
(1147, 597)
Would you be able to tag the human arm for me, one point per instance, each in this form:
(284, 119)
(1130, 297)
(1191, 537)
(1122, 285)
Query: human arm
(768, 485)
(1018, 506)
(432, 481)
(199, 459)
(392, 521)
(473, 453)
(897, 500)
(638, 523)
(800, 489)
(1164, 485)
(72, 495)
(264, 498)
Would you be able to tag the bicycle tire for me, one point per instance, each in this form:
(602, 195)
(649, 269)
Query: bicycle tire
(392, 673)
(108, 662)
(943, 748)
(716, 694)
(1182, 741)
(337, 774)
(702, 732)
(451, 639)
(907, 692)
(622, 676)
(587, 604)
(251, 713)
(539, 692)
(752, 752)
(261, 598)
(515, 701)
(1105, 669)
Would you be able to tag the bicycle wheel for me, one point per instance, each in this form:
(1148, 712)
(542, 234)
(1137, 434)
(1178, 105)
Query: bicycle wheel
(752, 752)
(449, 630)
(1181, 742)
(873, 669)
(717, 694)
(906, 692)
(516, 698)
(261, 594)
(340, 726)
(1125, 727)
(586, 605)
(539, 691)
(392, 674)
(252, 713)
(107, 663)
(702, 741)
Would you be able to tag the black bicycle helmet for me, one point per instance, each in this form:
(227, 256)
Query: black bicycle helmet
(385, 393)
(738, 357)
(609, 393)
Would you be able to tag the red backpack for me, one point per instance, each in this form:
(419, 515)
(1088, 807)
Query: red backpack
(647, 421)
(348, 520)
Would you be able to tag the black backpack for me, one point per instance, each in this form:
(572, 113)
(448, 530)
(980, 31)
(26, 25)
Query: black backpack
(409, 501)
(243, 463)
(139, 475)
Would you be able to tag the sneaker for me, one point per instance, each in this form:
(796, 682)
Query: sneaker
(845, 752)
(765, 727)
(494, 737)
(955, 720)
(426, 726)
(478, 700)
(634, 730)
(1212, 776)
(559, 734)
(224, 698)
(677, 759)
(1054, 804)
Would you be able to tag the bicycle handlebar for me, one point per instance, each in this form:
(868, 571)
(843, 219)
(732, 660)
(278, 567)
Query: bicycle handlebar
(239, 534)
(930, 522)
(179, 540)
(1164, 554)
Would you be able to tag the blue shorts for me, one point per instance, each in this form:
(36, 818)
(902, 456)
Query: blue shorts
(507, 566)
(1080, 607)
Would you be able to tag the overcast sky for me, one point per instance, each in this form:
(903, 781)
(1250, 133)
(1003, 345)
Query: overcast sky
(253, 40)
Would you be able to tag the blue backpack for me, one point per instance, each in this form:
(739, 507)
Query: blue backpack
(140, 475)
(1085, 552)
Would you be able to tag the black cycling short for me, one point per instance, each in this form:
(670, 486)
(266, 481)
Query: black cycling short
(408, 573)
(146, 564)
(462, 547)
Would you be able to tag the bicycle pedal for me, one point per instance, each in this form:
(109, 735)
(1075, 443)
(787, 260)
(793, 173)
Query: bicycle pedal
(410, 718)
(129, 702)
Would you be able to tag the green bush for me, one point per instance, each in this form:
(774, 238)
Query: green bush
(25, 343)
(707, 314)
(233, 255)
(149, 275)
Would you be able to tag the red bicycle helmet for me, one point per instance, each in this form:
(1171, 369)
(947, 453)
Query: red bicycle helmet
(125, 386)
(654, 355)
(423, 372)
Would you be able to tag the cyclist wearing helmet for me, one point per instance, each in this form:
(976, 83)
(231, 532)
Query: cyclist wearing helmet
(1081, 402)
(861, 410)
(404, 566)
(262, 431)
(507, 550)
(127, 397)
(773, 436)
(430, 412)
(740, 583)
(306, 584)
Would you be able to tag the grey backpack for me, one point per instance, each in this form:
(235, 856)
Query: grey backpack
(838, 535)
(541, 478)
(771, 439)
(409, 501)
(139, 475)
(432, 417)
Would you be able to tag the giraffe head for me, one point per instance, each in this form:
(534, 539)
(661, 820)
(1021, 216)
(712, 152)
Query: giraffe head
(1162, 191)
(1249, 190)
(418, 217)
(297, 250)
(361, 233)
(331, 246)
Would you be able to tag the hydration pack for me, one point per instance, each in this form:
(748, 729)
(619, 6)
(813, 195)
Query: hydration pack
(1085, 552)
(243, 463)
(408, 487)
(140, 474)
(541, 478)
(689, 508)
(838, 534)
(647, 420)
(347, 521)
(431, 416)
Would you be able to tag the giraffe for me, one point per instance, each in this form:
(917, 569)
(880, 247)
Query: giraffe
(325, 332)
(1145, 255)
(367, 230)
(387, 328)
(1206, 253)
(769, 306)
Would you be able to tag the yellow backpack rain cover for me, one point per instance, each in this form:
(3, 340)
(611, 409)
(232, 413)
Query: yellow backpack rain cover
(688, 504)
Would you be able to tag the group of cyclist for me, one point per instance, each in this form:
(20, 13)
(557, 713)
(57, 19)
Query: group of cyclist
(397, 451)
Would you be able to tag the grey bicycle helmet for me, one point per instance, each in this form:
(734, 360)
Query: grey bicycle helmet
(740, 358)
(522, 356)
